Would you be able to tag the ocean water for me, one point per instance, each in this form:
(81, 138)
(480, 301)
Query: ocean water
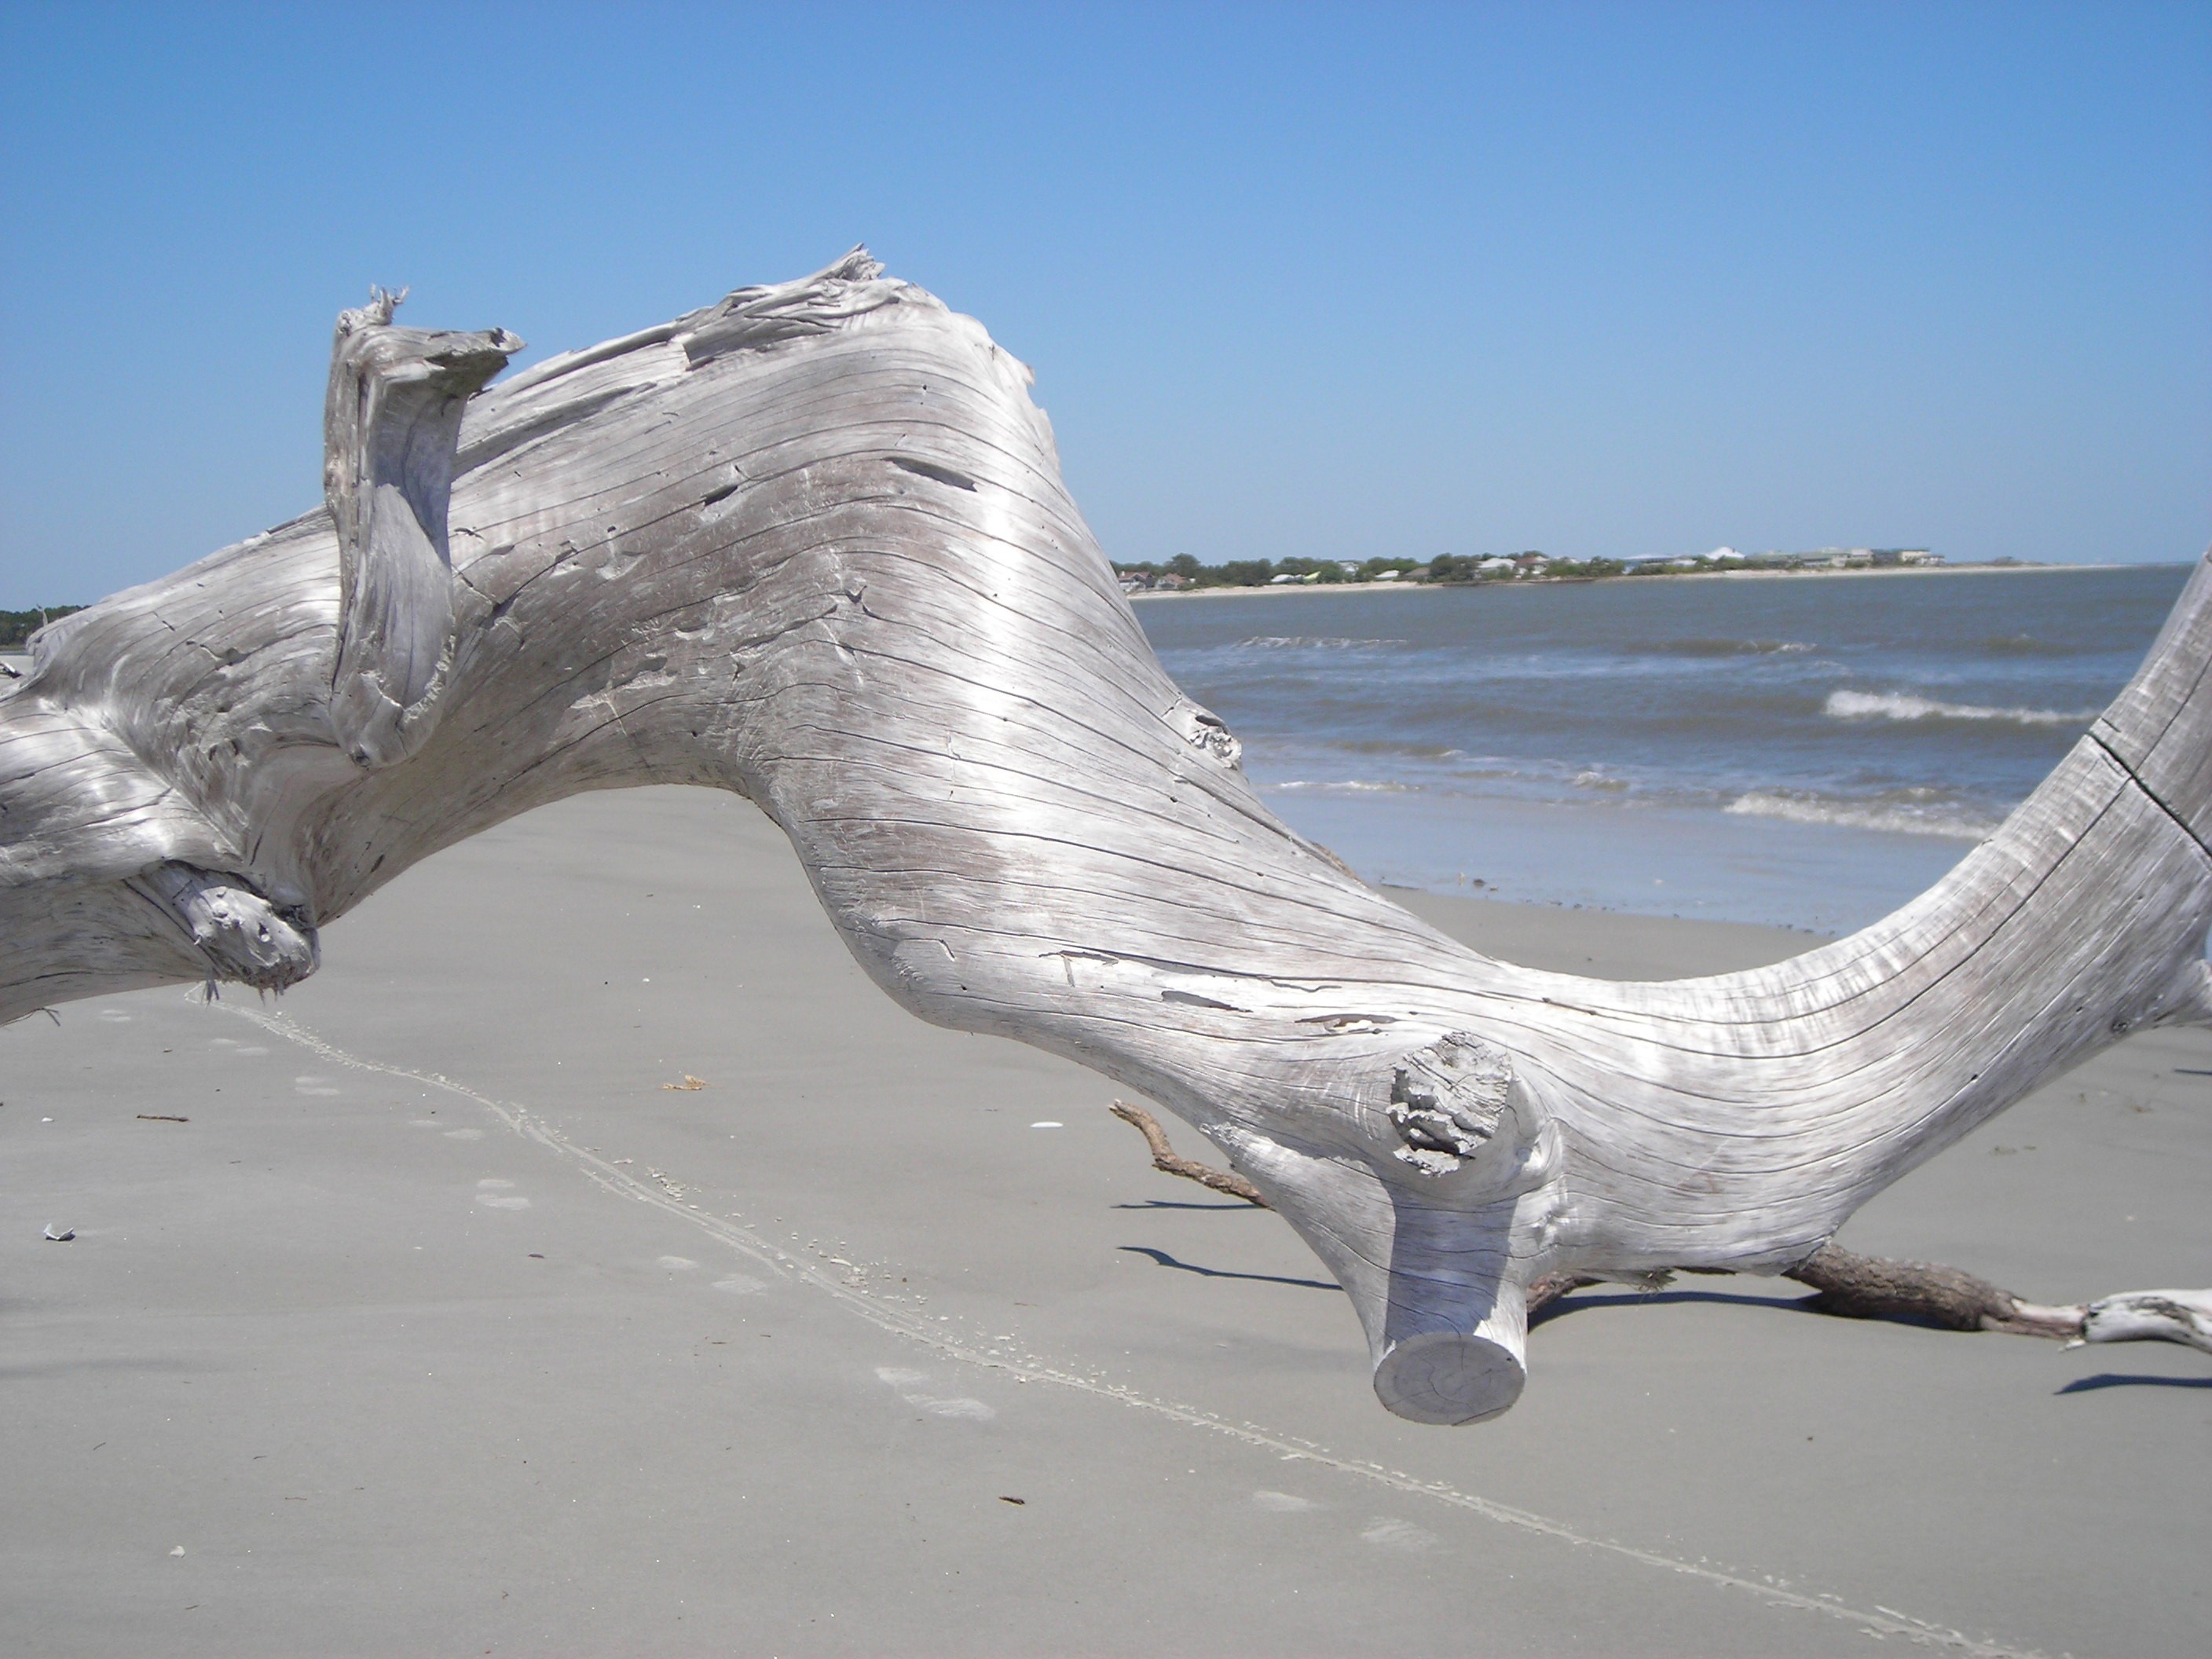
(1807, 752)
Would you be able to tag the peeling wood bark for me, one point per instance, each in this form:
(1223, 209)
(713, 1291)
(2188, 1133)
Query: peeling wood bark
(1869, 1287)
(1547, 1288)
(811, 545)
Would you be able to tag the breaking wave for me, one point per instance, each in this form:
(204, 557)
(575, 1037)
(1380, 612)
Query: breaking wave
(1309, 643)
(1903, 706)
(2023, 645)
(1900, 812)
(1343, 786)
(1728, 648)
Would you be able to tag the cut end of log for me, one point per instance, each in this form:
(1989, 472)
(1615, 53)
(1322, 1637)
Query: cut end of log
(1467, 1365)
(1450, 1377)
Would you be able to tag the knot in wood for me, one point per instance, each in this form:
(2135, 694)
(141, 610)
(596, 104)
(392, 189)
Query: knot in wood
(1448, 1099)
(244, 937)
(1205, 732)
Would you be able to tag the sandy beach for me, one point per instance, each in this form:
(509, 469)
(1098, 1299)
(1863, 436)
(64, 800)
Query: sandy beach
(590, 1261)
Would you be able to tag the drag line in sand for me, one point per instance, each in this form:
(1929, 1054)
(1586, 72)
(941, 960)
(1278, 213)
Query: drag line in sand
(851, 1292)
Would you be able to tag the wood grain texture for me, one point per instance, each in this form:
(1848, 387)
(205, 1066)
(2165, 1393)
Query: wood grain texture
(391, 420)
(811, 545)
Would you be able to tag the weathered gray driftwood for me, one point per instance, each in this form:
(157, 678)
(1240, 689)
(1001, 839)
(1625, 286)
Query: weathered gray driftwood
(811, 545)
(1849, 1284)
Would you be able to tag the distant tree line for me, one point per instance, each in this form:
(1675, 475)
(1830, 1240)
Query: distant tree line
(1490, 567)
(17, 626)
(1185, 571)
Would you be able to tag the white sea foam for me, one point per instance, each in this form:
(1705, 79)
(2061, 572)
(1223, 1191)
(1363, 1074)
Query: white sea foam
(1343, 786)
(1599, 780)
(1709, 648)
(1905, 816)
(1309, 643)
(1903, 706)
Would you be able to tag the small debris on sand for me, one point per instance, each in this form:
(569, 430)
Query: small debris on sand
(689, 1084)
(59, 1237)
(161, 1117)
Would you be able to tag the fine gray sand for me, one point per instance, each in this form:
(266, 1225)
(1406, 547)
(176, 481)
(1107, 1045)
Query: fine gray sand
(443, 1327)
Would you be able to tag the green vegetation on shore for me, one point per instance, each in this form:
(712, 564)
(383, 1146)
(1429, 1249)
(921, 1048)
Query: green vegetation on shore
(1184, 571)
(17, 626)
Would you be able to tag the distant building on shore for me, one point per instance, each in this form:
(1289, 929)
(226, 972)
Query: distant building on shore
(1184, 572)
(1825, 558)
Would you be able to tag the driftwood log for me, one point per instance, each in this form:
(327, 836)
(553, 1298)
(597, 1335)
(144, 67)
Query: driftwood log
(811, 545)
(1848, 1284)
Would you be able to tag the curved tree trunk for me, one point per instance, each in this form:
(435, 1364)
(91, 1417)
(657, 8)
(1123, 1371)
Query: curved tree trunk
(811, 545)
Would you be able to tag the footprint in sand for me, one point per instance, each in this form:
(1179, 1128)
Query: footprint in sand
(907, 1381)
(741, 1285)
(1282, 1503)
(1389, 1533)
(493, 1194)
(464, 1134)
(312, 1084)
(115, 1016)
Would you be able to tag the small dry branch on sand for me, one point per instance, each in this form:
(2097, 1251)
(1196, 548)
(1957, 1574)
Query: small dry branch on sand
(1850, 1285)
(1168, 1161)
(811, 544)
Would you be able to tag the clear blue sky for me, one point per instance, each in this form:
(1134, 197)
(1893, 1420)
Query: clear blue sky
(1598, 279)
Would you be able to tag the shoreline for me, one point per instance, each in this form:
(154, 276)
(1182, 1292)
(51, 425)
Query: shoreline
(17, 654)
(1679, 575)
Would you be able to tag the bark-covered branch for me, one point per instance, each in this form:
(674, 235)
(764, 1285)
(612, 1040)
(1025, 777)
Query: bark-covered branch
(1869, 1287)
(811, 545)
(1168, 1161)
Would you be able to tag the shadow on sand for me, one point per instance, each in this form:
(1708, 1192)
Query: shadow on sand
(1166, 1260)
